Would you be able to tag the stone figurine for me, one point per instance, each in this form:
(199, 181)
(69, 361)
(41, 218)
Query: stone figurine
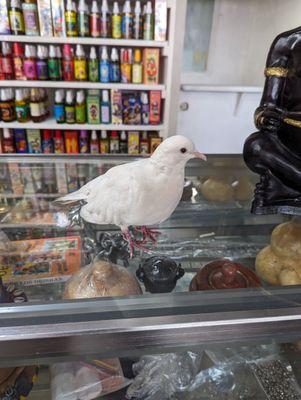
(274, 152)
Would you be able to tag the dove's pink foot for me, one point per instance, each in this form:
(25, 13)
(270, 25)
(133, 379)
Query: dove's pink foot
(134, 243)
(148, 233)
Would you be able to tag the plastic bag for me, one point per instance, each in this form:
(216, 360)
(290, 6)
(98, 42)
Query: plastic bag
(82, 381)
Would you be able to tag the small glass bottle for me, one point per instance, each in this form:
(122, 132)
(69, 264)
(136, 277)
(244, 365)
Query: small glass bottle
(16, 19)
(80, 64)
(68, 63)
(123, 143)
(36, 106)
(127, 21)
(104, 142)
(114, 66)
(116, 22)
(83, 19)
(94, 145)
(144, 144)
(8, 143)
(31, 21)
(105, 108)
(18, 56)
(126, 66)
(43, 103)
(148, 24)
(93, 66)
(95, 20)
(22, 107)
(30, 65)
(137, 67)
(114, 143)
(70, 107)
(42, 64)
(138, 22)
(7, 61)
(83, 141)
(7, 105)
(53, 64)
(71, 19)
(59, 57)
(59, 106)
(104, 66)
(105, 26)
(80, 108)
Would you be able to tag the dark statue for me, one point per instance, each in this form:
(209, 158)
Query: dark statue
(274, 152)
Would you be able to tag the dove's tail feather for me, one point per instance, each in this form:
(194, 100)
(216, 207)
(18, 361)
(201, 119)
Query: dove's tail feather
(71, 198)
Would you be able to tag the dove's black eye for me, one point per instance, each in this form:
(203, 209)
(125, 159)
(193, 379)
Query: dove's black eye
(183, 150)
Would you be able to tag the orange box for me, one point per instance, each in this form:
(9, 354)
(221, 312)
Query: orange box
(151, 63)
(155, 107)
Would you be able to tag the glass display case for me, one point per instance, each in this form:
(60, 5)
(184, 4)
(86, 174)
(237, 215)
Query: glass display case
(219, 308)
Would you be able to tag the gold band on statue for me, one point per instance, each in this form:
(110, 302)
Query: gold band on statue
(279, 72)
(292, 122)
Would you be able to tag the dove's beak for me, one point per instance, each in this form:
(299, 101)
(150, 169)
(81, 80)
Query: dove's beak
(200, 155)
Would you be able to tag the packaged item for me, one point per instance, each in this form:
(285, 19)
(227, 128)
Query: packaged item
(4, 20)
(154, 143)
(42, 63)
(116, 106)
(83, 141)
(95, 20)
(123, 143)
(71, 19)
(18, 56)
(148, 25)
(41, 261)
(160, 20)
(58, 142)
(94, 145)
(70, 107)
(114, 66)
(144, 144)
(30, 13)
(7, 61)
(83, 19)
(45, 17)
(59, 106)
(138, 22)
(30, 66)
(34, 141)
(116, 22)
(93, 66)
(104, 66)
(114, 143)
(36, 106)
(151, 61)
(126, 65)
(80, 64)
(68, 63)
(8, 144)
(144, 108)
(137, 67)
(53, 64)
(15, 179)
(7, 105)
(105, 108)
(47, 141)
(105, 20)
(104, 143)
(16, 18)
(72, 177)
(127, 21)
(22, 106)
(61, 179)
(58, 18)
(155, 107)
(131, 108)
(80, 108)
(133, 143)
(71, 142)
(93, 107)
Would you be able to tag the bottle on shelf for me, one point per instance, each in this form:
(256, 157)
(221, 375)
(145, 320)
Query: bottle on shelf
(116, 22)
(93, 107)
(58, 142)
(144, 143)
(8, 143)
(126, 66)
(138, 22)
(70, 107)
(114, 143)
(105, 26)
(36, 104)
(105, 108)
(47, 141)
(145, 108)
(43, 103)
(53, 64)
(59, 57)
(16, 19)
(42, 63)
(30, 64)
(123, 143)
(68, 63)
(137, 67)
(31, 20)
(7, 61)
(93, 66)
(104, 66)
(22, 106)
(80, 108)
(7, 105)
(95, 20)
(114, 66)
(127, 21)
(59, 106)
(83, 19)
(80, 64)
(104, 143)
(83, 141)
(148, 24)
(18, 56)
(94, 145)
(71, 19)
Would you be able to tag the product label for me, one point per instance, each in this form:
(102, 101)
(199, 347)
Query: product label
(59, 113)
(95, 25)
(70, 114)
(35, 110)
(80, 70)
(16, 21)
(54, 68)
(18, 67)
(23, 112)
(42, 70)
(93, 71)
(83, 24)
(58, 146)
(80, 113)
(137, 73)
(114, 73)
(83, 145)
(114, 146)
(47, 147)
(21, 146)
(7, 111)
(127, 27)
(34, 141)
(126, 73)
(71, 23)
(30, 19)
(148, 28)
(116, 26)
(104, 146)
(93, 112)
(104, 26)
(7, 66)
(138, 25)
(105, 114)
(104, 72)
(68, 70)
(30, 69)
(145, 114)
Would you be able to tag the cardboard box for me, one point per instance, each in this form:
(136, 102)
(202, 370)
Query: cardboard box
(154, 143)
(34, 141)
(93, 107)
(155, 107)
(160, 20)
(58, 18)
(116, 100)
(133, 143)
(151, 63)
(45, 17)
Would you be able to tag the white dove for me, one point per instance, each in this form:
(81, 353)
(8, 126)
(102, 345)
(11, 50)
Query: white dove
(141, 193)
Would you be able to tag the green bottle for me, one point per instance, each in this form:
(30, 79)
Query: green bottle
(80, 108)
(93, 66)
(53, 65)
(83, 19)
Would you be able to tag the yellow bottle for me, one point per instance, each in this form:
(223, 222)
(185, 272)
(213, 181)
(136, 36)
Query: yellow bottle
(137, 67)
(71, 19)
(116, 22)
(80, 64)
